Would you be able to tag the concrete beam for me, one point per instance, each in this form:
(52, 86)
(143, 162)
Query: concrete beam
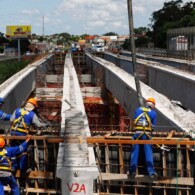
(176, 84)
(122, 86)
(76, 165)
(16, 89)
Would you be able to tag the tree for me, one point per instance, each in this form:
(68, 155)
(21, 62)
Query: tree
(3, 40)
(24, 44)
(84, 35)
(126, 44)
(110, 34)
(75, 38)
(66, 36)
(142, 42)
(41, 39)
(141, 30)
(174, 14)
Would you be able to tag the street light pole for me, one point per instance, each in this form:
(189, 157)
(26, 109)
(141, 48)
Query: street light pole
(133, 52)
(43, 25)
(19, 50)
(43, 34)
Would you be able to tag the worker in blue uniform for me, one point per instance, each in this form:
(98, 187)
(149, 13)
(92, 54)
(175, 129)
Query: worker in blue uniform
(6, 177)
(21, 121)
(144, 122)
(3, 116)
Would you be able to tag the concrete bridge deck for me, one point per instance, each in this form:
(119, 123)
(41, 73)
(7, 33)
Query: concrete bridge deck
(76, 165)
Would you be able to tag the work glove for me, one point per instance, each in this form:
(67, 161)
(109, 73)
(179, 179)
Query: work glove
(38, 132)
(29, 148)
(46, 125)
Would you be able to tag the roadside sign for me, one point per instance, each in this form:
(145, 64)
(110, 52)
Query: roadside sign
(15, 32)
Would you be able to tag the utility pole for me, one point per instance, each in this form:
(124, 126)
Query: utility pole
(43, 34)
(43, 26)
(19, 51)
(133, 53)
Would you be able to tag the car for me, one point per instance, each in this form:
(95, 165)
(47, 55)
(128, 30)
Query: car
(27, 53)
(98, 48)
(73, 49)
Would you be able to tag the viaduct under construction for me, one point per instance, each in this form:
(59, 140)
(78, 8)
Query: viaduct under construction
(88, 101)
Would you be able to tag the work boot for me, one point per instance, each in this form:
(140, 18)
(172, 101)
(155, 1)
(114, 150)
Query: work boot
(132, 175)
(153, 175)
(22, 191)
(22, 179)
(28, 171)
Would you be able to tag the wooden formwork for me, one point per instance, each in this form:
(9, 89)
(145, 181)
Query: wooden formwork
(175, 168)
(42, 161)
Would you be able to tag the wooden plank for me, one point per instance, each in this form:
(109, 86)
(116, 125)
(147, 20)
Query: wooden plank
(146, 179)
(39, 190)
(93, 140)
(35, 190)
(188, 165)
(171, 134)
(110, 133)
(36, 158)
(107, 161)
(37, 175)
(164, 163)
(121, 163)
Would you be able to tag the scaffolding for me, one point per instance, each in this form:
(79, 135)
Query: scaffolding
(175, 167)
(42, 160)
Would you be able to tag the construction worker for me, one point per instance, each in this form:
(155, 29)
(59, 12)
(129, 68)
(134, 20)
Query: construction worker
(144, 122)
(3, 115)
(6, 177)
(21, 121)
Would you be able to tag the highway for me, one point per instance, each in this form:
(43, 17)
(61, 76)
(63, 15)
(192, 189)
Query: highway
(3, 57)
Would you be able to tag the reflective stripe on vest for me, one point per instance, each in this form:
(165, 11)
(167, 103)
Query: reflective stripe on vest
(3, 166)
(146, 124)
(16, 122)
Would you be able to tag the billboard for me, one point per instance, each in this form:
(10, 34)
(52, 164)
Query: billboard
(18, 31)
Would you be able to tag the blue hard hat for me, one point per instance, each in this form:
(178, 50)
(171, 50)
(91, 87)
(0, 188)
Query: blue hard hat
(1, 100)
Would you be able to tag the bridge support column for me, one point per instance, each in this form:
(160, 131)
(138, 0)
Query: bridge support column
(78, 181)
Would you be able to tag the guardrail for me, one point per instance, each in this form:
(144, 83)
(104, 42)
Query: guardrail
(179, 54)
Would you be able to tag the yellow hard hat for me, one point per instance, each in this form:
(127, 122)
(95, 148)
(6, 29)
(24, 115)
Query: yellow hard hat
(2, 142)
(151, 100)
(32, 101)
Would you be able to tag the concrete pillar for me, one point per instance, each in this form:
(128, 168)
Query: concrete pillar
(77, 180)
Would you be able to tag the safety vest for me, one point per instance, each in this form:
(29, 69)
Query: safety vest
(19, 124)
(5, 163)
(143, 122)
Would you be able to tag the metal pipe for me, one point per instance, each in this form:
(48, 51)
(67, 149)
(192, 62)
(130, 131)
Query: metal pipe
(133, 53)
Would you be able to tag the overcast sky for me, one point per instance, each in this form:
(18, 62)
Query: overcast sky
(76, 16)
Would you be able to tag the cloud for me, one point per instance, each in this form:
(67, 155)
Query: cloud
(91, 16)
(94, 13)
(31, 12)
(139, 10)
(96, 24)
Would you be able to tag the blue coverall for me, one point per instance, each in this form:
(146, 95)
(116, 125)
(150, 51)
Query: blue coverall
(18, 129)
(140, 133)
(6, 154)
(4, 116)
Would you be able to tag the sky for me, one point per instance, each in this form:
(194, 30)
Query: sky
(76, 17)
